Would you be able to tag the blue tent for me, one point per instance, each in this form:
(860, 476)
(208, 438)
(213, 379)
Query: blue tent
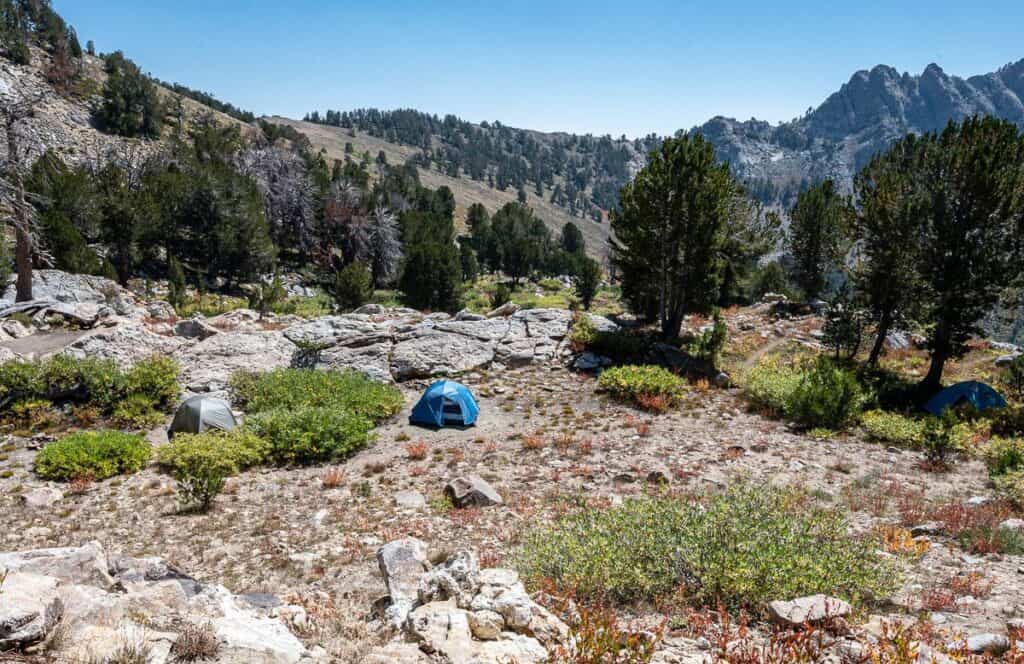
(445, 403)
(979, 395)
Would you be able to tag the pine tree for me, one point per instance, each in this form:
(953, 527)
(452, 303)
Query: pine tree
(819, 223)
(671, 230)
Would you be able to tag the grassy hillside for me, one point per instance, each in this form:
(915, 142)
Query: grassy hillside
(467, 191)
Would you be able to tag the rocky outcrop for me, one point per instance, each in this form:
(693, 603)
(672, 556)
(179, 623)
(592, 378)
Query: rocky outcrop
(400, 344)
(386, 344)
(104, 605)
(463, 614)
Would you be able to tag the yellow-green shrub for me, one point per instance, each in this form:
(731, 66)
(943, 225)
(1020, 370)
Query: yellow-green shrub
(350, 391)
(894, 428)
(1004, 455)
(304, 435)
(749, 545)
(637, 383)
(202, 462)
(96, 455)
(770, 385)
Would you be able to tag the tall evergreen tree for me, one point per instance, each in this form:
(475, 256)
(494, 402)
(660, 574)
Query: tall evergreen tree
(819, 225)
(671, 230)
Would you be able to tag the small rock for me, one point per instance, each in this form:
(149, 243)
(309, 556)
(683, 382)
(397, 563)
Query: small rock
(401, 563)
(42, 497)
(976, 501)
(811, 609)
(486, 625)
(930, 528)
(1013, 524)
(29, 608)
(722, 380)
(472, 490)
(194, 328)
(985, 643)
(410, 499)
(659, 475)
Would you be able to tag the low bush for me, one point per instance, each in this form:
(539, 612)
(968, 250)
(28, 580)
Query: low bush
(305, 435)
(826, 396)
(1004, 455)
(709, 344)
(887, 427)
(19, 380)
(1008, 421)
(770, 385)
(93, 381)
(1010, 486)
(940, 439)
(136, 411)
(638, 384)
(202, 462)
(96, 455)
(155, 378)
(747, 546)
(350, 391)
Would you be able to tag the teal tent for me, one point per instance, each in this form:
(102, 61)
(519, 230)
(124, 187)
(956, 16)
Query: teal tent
(979, 395)
(445, 403)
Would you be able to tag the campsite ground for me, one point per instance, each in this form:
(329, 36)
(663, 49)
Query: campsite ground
(546, 440)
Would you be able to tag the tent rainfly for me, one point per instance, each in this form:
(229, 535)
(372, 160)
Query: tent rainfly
(978, 394)
(201, 413)
(445, 403)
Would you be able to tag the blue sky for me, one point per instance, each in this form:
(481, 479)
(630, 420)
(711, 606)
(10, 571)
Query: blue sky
(603, 67)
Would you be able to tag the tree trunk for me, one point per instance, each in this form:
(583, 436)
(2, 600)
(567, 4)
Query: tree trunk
(883, 331)
(23, 261)
(22, 214)
(932, 382)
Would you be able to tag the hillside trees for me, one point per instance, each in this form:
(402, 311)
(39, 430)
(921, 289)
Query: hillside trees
(130, 104)
(672, 230)
(819, 225)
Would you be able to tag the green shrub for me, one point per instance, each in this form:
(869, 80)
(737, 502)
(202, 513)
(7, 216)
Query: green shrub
(639, 383)
(708, 346)
(34, 414)
(136, 411)
(894, 428)
(940, 438)
(1008, 421)
(156, 378)
(353, 285)
(502, 295)
(202, 462)
(1012, 378)
(102, 380)
(770, 385)
(95, 454)
(19, 380)
(1004, 455)
(745, 547)
(1010, 485)
(826, 396)
(305, 435)
(350, 391)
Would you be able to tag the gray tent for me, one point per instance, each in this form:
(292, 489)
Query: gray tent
(201, 413)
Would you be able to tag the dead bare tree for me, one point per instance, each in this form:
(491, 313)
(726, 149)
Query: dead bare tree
(16, 208)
